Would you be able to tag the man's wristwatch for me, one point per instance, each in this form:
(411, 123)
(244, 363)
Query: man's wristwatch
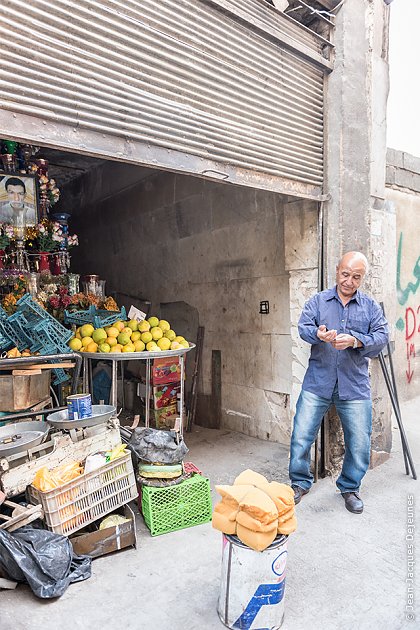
(356, 341)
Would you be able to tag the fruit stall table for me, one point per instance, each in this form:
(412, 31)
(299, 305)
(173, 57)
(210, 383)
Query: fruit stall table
(117, 357)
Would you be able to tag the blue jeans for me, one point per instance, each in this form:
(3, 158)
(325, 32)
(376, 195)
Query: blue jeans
(356, 420)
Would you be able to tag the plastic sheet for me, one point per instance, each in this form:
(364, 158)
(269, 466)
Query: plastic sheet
(155, 446)
(46, 479)
(43, 560)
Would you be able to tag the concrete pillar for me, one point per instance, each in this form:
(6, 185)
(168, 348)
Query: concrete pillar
(356, 216)
(301, 261)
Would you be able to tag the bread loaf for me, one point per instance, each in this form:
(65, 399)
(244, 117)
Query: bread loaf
(288, 527)
(233, 494)
(259, 505)
(227, 510)
(243, 518)
(223, 524)
(250, 478)
(282, 495)
(256, 540)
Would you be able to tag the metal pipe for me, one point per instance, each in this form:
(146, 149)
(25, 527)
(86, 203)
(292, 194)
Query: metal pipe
(395, 393)
(181, 398)
(76, 374)
(147, 402)
(22, 362)
(114, 383)
(396, 408)
(404, 440)
(394, 388)
(32, 414)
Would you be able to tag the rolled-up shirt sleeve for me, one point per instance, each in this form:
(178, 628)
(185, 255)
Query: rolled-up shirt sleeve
(377, 337)
(308, 322)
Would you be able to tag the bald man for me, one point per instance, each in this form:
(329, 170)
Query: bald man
(345, 328)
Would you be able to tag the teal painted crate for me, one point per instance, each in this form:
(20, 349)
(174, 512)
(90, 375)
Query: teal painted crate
(177, 507)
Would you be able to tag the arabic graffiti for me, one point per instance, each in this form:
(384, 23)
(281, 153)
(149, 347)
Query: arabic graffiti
(411, 321)
(412, 328)
(404, 294)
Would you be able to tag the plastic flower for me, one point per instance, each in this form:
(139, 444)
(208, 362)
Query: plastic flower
(54, 301)
(6, 234)
(42, 296)
(8, 230)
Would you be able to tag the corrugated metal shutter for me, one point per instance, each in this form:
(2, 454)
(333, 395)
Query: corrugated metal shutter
(193, 85)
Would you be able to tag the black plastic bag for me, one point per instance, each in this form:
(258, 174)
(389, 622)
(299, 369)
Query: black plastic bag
(155, 446)
(43, 560)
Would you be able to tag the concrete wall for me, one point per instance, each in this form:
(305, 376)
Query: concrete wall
(221, 250)
(357, 216)
(403, 195)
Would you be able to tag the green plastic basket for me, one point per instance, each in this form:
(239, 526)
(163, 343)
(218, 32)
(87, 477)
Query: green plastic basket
(177, 507)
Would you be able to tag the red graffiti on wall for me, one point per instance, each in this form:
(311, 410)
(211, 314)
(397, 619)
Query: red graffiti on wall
(412, 330)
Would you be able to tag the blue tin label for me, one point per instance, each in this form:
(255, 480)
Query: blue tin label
(79, 406)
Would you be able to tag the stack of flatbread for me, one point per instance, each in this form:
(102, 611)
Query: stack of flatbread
(255, 509)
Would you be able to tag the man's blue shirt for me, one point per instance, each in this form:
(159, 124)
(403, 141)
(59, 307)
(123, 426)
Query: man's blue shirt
(363, 318)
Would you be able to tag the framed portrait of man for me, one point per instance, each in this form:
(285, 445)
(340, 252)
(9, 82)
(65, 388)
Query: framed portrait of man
(18, 199)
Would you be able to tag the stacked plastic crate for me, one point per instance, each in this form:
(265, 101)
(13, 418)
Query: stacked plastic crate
(98, 317)
(8, 338)
(33, 327)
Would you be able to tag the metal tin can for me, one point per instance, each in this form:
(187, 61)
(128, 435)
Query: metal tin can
(79, 406)
(252, 585)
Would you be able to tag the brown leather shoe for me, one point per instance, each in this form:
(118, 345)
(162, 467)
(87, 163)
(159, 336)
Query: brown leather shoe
(353, 502)
(299, 492)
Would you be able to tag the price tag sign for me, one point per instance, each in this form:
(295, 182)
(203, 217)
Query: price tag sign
(136, 313)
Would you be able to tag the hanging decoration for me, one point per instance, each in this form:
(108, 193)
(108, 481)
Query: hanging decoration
(28, 246)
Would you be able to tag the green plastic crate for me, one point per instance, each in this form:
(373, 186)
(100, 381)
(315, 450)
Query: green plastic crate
(177, 507)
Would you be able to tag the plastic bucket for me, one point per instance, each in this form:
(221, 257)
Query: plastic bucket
(252, 585)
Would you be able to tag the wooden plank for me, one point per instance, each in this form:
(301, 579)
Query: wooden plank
(42, 366)
(15, 480)
(47, 402)
(216, 390)
(196, 373)
(21, 516)
(25, 372)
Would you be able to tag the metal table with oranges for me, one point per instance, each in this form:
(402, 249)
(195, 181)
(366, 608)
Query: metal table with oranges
(118, 357)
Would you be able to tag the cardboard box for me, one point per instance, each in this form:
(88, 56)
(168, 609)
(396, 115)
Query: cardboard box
(167, 370)
(18, 393)
(165, 395)
(101, 542)
(165, 418)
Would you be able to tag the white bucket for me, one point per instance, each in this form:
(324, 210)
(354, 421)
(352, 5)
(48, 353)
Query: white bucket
(252, 585)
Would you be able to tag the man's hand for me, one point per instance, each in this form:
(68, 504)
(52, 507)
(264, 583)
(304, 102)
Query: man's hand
(326, 335)
(343, 341)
